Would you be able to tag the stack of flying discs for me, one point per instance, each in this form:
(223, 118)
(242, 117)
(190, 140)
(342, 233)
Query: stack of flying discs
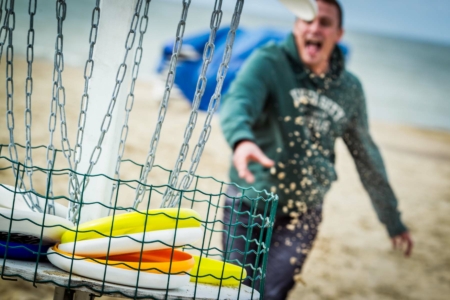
(120, 248)
(110, 248)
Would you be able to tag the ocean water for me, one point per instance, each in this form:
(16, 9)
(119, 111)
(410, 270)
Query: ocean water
(417, 19)
(406, 80)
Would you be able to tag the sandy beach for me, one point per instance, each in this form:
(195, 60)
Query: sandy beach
(352, 258)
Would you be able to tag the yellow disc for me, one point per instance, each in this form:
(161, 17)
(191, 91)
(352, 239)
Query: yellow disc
(129, 223)
(217, 272)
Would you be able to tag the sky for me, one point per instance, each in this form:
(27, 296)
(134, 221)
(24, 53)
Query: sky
(427, 20)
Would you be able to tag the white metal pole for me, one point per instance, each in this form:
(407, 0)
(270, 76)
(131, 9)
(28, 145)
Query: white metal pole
(115, 19)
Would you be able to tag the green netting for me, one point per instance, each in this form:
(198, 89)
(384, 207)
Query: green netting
(206, 198)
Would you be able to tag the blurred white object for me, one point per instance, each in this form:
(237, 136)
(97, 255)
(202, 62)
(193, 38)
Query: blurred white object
(47, 227)
(303, 9)
(8, 198)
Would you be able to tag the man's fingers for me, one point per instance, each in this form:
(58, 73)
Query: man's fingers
(409, 247)
(247, 175)
(240, 163)
(248, 151)
(261, 158)
(394, 243)
(407, 243)
(241, 166)
(404, 243)
(267, 162)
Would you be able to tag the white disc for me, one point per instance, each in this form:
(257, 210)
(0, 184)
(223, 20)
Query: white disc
(30, 223)
(303, 9)
(126, 244)
(116, 275)
(7, 201)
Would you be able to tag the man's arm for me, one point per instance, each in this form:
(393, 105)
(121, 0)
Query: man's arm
(373, 175)
(245, 99)
(241, 107)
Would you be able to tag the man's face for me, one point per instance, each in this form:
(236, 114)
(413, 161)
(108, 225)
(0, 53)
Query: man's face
(316, 39)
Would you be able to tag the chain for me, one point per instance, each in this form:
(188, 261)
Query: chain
(121, 72)
(5, 27)
(9, 25)
(29, 91)
(74, 186)
(9, 80)
(88, 71)
(208, 53)
(60, 92)
(212, 107)
(1, 9)
(150, 159)
(130, 98)
(58, 101)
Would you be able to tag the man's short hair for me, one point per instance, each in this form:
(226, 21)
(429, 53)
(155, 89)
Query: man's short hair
(339, 8)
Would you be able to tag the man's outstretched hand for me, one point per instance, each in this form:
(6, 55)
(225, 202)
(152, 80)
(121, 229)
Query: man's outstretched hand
(403, 242)
(247, 151)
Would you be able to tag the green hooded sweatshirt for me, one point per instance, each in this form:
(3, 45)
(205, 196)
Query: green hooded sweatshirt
(295, 116)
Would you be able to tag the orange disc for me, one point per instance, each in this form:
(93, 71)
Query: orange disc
(153, 261)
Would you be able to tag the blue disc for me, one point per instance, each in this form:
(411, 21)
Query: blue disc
(22, 247)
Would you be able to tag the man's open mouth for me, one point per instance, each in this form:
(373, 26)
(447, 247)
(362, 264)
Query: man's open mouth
(313, 47)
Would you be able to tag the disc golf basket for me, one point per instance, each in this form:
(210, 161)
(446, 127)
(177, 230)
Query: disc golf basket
(39, 220)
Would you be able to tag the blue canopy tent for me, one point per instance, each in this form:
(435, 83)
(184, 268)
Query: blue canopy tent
(190, 61)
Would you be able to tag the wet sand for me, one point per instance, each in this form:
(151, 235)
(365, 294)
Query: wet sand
(352, 258)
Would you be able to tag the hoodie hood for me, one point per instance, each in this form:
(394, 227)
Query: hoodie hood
(333, 75)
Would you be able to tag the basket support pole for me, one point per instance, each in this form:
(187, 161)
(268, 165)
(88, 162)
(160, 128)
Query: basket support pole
(66, 294)
(115, 19)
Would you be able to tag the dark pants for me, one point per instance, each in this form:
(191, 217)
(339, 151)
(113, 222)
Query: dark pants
(292, 239)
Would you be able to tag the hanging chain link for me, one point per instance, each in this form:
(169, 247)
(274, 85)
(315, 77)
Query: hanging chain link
(9, 80)
(8, 27)
(5, 27)
(130, 98)
(208, 53)
(1, 9)
(74, 185)
(60, 91)
(10, 15)
(58, 101)
(28, 92)
(150, 159)
(212, 107)
(2, 29)
(74, 208)
(88, 71)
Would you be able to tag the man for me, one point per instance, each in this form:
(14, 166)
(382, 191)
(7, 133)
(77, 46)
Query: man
(282, 116)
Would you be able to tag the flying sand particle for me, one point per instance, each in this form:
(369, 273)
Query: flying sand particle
(281, 175)
(293, 260)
